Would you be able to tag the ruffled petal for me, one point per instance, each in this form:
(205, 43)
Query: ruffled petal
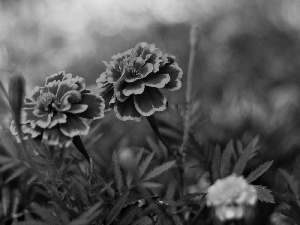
(57, 119)
(147, 69)
(69, 98)
(155, 60)
(138, 49)
(27, 115)
(148, 50)
(102, 80)
(156, 80)
(95, 106)
(80, 82)
(64, 87)
(55, 77)
(150, 101)
(136, 87)
(39, 112)
(44, 121)
(118, 88)
(35, 93)
(53, 86)
(34, 132)
(175, 73)
(74, 126)
(77, 108)
(126, 110)
(113, 73)
(107, 95)
(51, 136)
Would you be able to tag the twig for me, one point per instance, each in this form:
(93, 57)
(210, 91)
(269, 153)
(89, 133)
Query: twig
(193, 43)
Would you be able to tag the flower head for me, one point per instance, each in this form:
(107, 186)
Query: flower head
(56, 111)
(132, 81)
(230, 196)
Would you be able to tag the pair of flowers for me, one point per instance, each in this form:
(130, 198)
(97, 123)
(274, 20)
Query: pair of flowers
(57, 112)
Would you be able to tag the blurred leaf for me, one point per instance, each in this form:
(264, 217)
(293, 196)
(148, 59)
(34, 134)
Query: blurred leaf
(264, 194)
(88, 216)
(245, 156)
(145, 164)
(117, 172)
(46, 214)
(143, 221)
(292, 184)
(151, 185)
(259, 171)
(18, 172)
(117, 207)
(159, 170)
(225, 162)
(215, 167)
(129, 215)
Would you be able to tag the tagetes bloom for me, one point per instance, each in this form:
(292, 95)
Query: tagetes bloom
(132, 81)
(56, 112)
(230, 197)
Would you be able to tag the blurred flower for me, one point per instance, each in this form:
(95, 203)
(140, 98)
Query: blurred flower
(55, 112)
(132, 81)
(14, 131)
(230, 196)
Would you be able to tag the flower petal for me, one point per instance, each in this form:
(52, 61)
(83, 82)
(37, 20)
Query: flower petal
(118, 88)
(34, 132)
(80, 82)
(95, 106)
(138, 49)
(55, 77)
(147, 69)
(156, 80)
(148, 49)
(35, 93)
(150, 101)
(69, 98)
(39, 112)
(51, 136)
(175, 73)
(58, 118)
(74, 126)
(53, 86)
(77, 108)
(136, 87)
(64, 87)
(126, 110)
(44, 121)
(27, 115)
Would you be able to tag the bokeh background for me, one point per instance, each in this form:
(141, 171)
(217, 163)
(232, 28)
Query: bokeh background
(246, 76)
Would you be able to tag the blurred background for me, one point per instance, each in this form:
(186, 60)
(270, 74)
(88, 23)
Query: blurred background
(246, 77)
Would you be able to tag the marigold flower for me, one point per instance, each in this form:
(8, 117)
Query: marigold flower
(230, 196)
(56, 111)
(132, 81)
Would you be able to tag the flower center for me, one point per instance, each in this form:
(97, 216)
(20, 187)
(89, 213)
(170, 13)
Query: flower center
(45, 100)
(127, 64)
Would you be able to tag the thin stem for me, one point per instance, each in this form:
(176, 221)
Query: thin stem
(152, 121)
(193, 43)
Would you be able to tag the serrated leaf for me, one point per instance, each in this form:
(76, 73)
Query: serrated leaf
(225, 162)
(15, 174)
(247, 153)
(264, 194)
(293, 185)
(145, 164)
(117, 207)
(259, 171)
(88, 216)
(215, 165)
(117, 172)
(159, 170)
